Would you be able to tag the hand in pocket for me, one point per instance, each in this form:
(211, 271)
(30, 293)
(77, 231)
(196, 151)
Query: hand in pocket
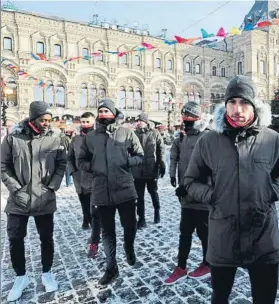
(22, 198)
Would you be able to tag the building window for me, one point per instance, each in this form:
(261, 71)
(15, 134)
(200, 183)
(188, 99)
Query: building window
(239, 68)
(262, 67)
(137, 60)
(57, 50)
(169, 65)
(198, 68)
(187, 67)
(223, 72)
(101, 56)
(124, 59)
(8, 45)
(277, 71)
(158, 63)
(214, 71)
(85, 52)
(40, 48)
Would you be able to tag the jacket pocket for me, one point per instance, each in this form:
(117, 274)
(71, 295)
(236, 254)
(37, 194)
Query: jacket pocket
(86, 181)
(222, 238)
(21, 197)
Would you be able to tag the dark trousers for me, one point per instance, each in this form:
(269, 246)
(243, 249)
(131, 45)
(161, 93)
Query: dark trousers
(127, 213)
(95, 225)
(152, 188)
(85, 205)
(68, 177)
(17, 229)
(263, 278)
(190, 220)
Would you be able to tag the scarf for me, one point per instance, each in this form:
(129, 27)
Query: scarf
(236, 124)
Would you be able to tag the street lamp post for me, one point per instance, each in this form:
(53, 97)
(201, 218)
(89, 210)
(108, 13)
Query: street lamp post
(169, 107)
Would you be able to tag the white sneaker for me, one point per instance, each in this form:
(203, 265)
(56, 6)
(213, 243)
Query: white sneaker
(49, 282)
(21, 282)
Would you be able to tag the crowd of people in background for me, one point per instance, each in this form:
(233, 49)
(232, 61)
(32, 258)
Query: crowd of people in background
(225, 172)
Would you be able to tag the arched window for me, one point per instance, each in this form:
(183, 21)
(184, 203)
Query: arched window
(92, 96)
(198, 68)
(60, 95)
(101, 56)
(239, 68)
(187, 67)
(40, 49)
(138, 99)
(8, 44)
(83, 96)
(214, 71)
(223, 72)
(101, 93)
(124, 59)
(50, 93)
(158, 63)
(10, 92)
(85, 52)
(130, 98)
(169, 65)
(163, 100)
(156, 99)
(137, 60)
(57, 50)
(122, 98)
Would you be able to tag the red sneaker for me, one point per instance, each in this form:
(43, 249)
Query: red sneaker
(93, 250)
(201, 272)
(177, 274)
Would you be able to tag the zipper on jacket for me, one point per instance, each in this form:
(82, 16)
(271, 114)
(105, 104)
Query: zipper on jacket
(29, 187)
(238, 207)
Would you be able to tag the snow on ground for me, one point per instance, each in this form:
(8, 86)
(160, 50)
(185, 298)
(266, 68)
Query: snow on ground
(77, 275)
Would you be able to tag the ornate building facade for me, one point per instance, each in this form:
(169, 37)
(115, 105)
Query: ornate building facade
(157, 81)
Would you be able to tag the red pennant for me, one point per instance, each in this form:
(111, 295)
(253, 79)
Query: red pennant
(264, 23)
(180, 39)
(148, 45)
(221, 32)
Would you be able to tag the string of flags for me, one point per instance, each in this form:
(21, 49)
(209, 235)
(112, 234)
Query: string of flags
(209, 38)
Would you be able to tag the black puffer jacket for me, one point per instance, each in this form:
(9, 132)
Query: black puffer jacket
(110, 153)
(32, 168)
(154, 151)
(82, 179)
(180, 155)
(244, 167)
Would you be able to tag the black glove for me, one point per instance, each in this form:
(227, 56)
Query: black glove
(173, 181)
(180, 191)
(162, 171)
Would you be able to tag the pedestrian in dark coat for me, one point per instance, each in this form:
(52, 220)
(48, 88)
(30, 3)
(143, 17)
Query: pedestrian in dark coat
(109, 152)
(83, 183)
(152, 167)
(33, 162)
(194, 215)
(242, 157)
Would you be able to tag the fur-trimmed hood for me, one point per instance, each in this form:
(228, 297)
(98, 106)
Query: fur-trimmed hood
(263, 119)
(203, 123)
(22, 127)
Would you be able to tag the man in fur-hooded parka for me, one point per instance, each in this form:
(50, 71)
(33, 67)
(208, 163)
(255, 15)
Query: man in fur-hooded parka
(242, 157)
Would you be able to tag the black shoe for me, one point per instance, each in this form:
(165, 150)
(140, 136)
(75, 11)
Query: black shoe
(157, 216)
(130, 256)
(141, 224)
(109, 276)
(85, 224)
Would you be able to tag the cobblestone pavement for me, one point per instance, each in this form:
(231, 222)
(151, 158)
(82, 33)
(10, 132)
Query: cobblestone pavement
(156, 249)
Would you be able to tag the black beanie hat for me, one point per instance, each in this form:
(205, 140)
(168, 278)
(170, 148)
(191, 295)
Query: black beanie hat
(242, 87)
(191, 108)
(38, 108)
(143, 117)
(109, 104)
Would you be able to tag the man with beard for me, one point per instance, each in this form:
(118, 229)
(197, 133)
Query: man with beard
(148, 172)
(194, 215)
(83, 181)
(242, 157)
(109, 152)
(33, 162)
